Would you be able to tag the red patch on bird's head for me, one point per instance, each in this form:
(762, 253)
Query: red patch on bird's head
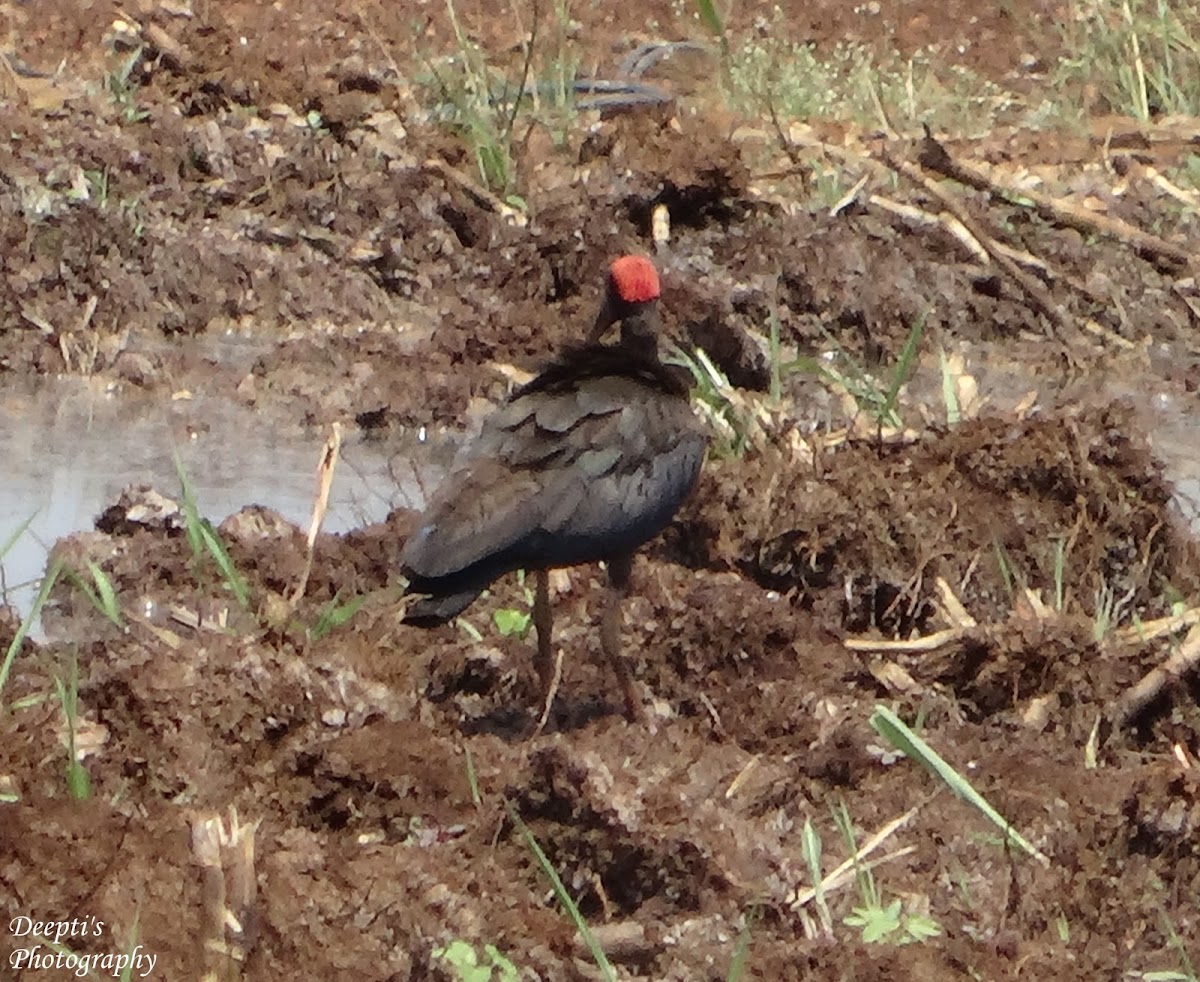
(634, 279)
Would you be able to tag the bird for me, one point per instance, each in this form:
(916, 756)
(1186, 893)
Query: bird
(583, 464)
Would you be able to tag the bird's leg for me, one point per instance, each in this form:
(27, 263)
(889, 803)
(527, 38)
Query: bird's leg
(619, 570)
(544, 661)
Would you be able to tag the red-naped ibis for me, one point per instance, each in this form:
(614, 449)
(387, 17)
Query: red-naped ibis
(583, 464)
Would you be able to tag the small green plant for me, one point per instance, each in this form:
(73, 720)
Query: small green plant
(774, 353)
(564, 898)
(510, 621)
(48, 580)
(854, 82)
(99, 592)
(904, 366)
(889, 726)
(1004, 565)
(866, 391)
(482, 107)
(712, 20)
(335, 614)
(811, 848)
(204, 540)
(484, 104)
(131, 209)
(1141, 57)
(737, 422)
(949, 390)
(1110, 609)
(469, 965)
(741, 951)
(79, 782)
(877, 922)
(123, 89)
(1187, 967)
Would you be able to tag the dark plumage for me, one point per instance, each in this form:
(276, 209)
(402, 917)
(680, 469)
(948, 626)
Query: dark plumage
(583, 464)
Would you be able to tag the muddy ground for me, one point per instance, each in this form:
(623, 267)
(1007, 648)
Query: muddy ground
(270, 173)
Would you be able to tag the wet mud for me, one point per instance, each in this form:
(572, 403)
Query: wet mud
(299, 203)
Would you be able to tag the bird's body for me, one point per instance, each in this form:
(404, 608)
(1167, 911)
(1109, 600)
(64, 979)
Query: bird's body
(583, 464)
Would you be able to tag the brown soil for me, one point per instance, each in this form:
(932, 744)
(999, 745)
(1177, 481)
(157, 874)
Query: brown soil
(386, 292)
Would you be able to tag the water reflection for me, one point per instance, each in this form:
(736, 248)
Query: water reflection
(71, 447)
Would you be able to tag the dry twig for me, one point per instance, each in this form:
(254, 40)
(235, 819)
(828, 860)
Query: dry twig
(935, 158)
(325, 469)
(1025, 282)
(1178, 664)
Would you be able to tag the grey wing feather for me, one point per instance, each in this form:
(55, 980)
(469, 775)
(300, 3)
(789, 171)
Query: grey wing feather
(480, 509)
(610, 460)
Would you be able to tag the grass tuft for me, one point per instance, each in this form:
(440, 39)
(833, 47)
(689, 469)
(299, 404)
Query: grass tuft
(204, 540)
(564, 897)
(334, 615)
(741, 951)
(889, 726)
(879, 923)
(79, 782)
(1139, 57)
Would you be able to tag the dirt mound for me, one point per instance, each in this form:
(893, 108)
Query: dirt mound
(1006, 583)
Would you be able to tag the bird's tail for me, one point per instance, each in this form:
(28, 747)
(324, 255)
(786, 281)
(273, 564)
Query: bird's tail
(430, 611)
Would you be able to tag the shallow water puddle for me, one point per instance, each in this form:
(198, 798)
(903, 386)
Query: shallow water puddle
(71, 448)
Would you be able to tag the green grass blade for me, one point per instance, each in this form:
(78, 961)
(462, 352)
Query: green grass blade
(469, 629)
(216, 548)
(889, 726)
(904, 363)
(106, 595)
(191, 513)
(335, 614)
(1005, 568)
(19, 531)
(949, 390)
(812, 848)
(472, 778)
(52, 574)
(712, 20)
(131, 946)
(203, 538)
(564, 898)
(741, 951)
(773, 342)
(79, 782)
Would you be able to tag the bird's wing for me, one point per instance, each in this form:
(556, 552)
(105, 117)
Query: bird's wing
(580, 464)
(637, 467)
(482, 507)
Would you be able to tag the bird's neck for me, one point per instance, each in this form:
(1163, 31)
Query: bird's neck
(639, 333)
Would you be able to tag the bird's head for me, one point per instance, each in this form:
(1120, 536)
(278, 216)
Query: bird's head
(630, 298)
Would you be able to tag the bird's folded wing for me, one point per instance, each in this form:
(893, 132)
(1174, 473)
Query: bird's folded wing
(481, 509)
(587, 464)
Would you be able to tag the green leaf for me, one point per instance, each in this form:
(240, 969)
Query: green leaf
(920, 927)
(108, 605)
(511, 622)
(79, 781)
(607, 972)
(888, 725)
